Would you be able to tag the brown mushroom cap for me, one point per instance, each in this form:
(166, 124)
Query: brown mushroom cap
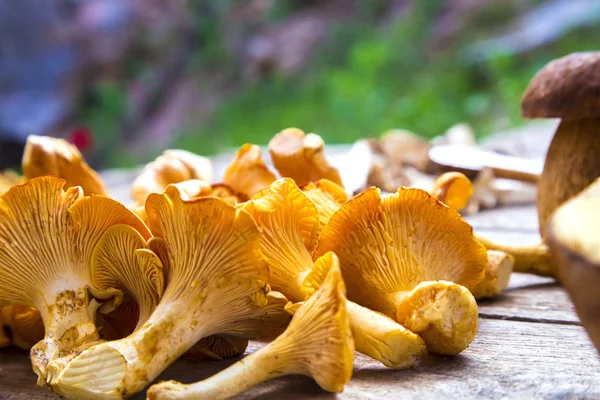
(568, 87)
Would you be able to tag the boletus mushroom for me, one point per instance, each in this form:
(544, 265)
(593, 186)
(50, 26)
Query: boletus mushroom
(572, 234)
(565, 88)
(215, 284)
(47, 237)
(289, 223)
(317, 343)
(410, 257)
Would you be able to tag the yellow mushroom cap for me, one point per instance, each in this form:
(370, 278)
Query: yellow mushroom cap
(393, 244)
(301, 157)
(289, 224)
(173, 166)
(453, 189)
(248, 174)
(45, 155)
(327, 196)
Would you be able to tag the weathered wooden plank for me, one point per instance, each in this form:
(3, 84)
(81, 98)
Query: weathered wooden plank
(531, 298)
(507, 359)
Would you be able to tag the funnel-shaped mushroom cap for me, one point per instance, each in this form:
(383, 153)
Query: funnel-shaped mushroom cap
(443, 313)
(565, 88)
(215, 282)
(317, 343)
(47, 236)
(24, 324)
(453, 189)
(289, 223)
(388, 246)
(497, 275)
(301, 157)
(327, 196)
(122, 260)
(572, 234)
(226, 192)
(218, 347)
(8, 179)
(248, 174)
(173, 166)
(392, 244)
(51, 156)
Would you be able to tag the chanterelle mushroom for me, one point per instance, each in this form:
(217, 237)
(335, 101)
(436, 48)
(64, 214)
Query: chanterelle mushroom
(572, 235)
(215, 284)
(389, 247)
(248, 173)
(289, 223)
(173, 166)
(327, 196)
(453, 189)
(45, 155)
(317, 343)
(47, 237)
(301, 157)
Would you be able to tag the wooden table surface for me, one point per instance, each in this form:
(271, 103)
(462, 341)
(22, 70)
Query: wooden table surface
(530, 345)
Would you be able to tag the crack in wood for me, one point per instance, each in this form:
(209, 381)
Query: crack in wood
(528, 319)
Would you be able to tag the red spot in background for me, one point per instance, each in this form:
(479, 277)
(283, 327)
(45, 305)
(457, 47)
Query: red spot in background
(82, 138)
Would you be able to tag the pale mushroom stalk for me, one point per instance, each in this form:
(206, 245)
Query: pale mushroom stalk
(396, 252)
(47, 236)
(532, 259)
(289, 222)
(497, 275)
(317, 343)
(215, 284)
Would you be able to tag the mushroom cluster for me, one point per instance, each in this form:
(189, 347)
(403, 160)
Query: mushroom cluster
(107, 297)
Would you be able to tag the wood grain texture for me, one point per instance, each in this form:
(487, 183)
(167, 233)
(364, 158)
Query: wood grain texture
(508, 359)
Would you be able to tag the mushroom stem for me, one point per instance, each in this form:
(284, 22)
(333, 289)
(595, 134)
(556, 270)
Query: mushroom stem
(383, 339)
(244, 373)
(572, 164)
(69, 326)
(529, 259)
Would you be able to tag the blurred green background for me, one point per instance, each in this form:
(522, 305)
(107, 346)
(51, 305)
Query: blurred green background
(218, 74)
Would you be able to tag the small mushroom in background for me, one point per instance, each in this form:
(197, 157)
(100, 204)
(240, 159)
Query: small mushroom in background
(572, 234)
(453, 189)
(215, 284)
(44, 155)
(301, 157)
(317, 343)
(461, 134)
(390, 247)
(248, 174)
(289, 223)
(402, 147)
(53, 232)
(173, 166)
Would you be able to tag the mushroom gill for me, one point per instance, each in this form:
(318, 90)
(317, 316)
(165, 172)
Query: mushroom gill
(327, 196)
(317, 343)
(388, 247)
